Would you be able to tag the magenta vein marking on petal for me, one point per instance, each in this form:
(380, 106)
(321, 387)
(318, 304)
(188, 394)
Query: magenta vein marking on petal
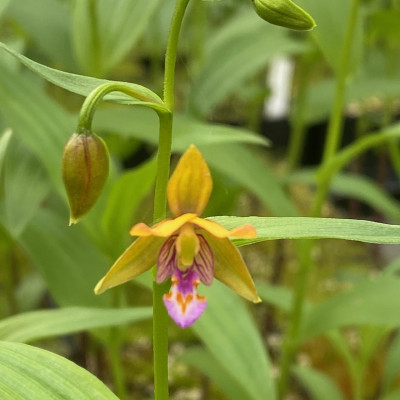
(167, 260)
(204, 261)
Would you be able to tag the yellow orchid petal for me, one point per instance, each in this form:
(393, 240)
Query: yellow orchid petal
(230, 268)
(217, 230)
(140, 256)
(190, 185)
(164, 228)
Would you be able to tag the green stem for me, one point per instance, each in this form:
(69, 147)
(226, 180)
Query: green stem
(96, 96)
(334, 136)
(117, 369)
(335, 128)
(290, 343)
(95, 66)
(160, 317)
(172, 49)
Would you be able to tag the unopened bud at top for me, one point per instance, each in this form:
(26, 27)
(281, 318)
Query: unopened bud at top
(284, 13)
(85, 167)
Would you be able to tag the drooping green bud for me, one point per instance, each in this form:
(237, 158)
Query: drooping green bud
(85, 167)
(284, 13)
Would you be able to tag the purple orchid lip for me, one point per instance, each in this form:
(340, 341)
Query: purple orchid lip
(183, 303)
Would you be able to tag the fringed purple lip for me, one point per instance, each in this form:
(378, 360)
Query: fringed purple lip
(183, 303)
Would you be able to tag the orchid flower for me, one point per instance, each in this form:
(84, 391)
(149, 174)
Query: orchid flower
(188, 249)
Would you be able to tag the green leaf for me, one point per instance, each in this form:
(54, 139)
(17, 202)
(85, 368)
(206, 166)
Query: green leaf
(275, 295)
(373, 302)
(271, 228)
(142, 124)
(104, 32)
(81, 84)
(224, 70)
(4, 142)
(229, 333)
(27, 372)
(203, 361)
(392, 396)
(69, 263)
(248, 170)
(122, 203)
(392, 364)
(30, 326)
(53, 37)
(331, 19)
(37, 120)
(356, 187)
(26, 185)
(3, 5)
(317, 384)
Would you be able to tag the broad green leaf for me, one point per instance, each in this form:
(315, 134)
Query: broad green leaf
(203, 361)
(105, 31)
(53, 37)
(229, 333)
(373, 302)
(317, 384)
(224, 70)
(142, 124)
(25, 187)
(357, 187)
(122, 203)
(247, 169)
(69, 263)
(37, 120)
(222, 146)
(81, 84)
(331, 19)
(30, 326)
(271, 228)
(27, 372)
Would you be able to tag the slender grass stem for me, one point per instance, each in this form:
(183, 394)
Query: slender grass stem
(160, 317)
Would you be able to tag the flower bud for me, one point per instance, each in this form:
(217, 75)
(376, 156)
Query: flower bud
(284, 13)
(85, 166)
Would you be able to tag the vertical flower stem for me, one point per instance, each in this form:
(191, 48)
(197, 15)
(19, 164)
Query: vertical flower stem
(160, 317)
(333, 139)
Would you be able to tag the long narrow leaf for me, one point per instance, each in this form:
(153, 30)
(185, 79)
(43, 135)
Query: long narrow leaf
(27, 372)
(230, 335)
(269, 228)
(80, 84)
(34, 325)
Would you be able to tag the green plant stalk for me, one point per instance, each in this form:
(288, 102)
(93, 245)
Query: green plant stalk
(335, 128)
(334, 135)
(117, 370)
(160, 316)
(95, 67)
(92, 101)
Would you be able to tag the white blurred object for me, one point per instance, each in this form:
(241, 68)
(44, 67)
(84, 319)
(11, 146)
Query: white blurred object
(279, 80)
